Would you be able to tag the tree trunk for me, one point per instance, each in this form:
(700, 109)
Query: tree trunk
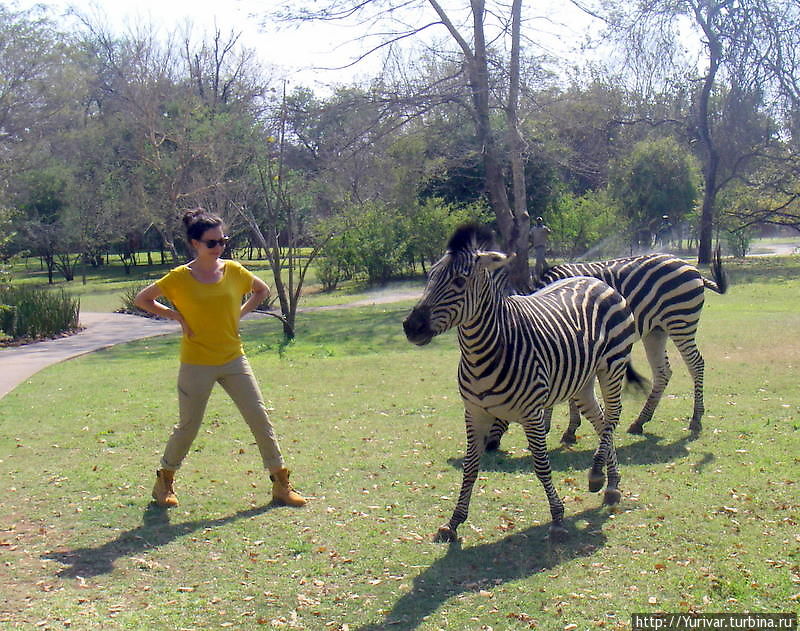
(706, 233)
(478, 73)
(711, 157)
(475, 60)
(519, 237)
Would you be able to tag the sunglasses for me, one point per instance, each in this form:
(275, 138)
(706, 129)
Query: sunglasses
(212, 243)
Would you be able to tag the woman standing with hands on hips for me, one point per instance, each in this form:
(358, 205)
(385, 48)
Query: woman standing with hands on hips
(207, 293)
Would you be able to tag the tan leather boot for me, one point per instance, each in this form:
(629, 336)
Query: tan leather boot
(163, 491)
(282, 491)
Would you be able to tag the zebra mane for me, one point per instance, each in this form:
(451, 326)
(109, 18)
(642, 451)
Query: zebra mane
(470, 237)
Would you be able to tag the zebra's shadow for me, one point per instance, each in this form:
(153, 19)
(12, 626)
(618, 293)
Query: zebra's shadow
(485, 566)
(651, 449)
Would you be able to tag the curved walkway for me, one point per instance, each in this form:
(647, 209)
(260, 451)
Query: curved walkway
(19, 363)
(102, 330)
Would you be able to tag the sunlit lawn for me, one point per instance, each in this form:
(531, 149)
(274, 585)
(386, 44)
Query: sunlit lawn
(372, 429)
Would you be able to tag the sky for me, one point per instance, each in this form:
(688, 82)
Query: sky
(300, 54)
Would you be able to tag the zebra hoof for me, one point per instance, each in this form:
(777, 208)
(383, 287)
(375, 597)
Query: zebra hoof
(695, 427)
(492, 445)
(596, 481)
(445, 534)
(568, 439)
(635, 428)
(557, 532)
(612, 497)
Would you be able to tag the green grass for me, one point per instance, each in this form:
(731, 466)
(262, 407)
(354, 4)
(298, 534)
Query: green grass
(372, 429)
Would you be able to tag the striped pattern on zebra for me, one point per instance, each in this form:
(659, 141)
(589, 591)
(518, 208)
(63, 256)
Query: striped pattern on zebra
(522, 354)
(666, 296)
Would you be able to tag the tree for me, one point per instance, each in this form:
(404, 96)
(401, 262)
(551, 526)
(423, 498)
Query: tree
(749, 50)
(189, 112)
(656, 181)
(478, 53)
(30, 61)
(33, 93)
(41, 196)
(277, 217)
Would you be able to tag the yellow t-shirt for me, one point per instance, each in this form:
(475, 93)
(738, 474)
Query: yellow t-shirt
(212, 311)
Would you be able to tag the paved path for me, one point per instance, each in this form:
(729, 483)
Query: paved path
(102, 330)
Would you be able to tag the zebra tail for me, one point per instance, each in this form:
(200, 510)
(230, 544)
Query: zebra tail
(635, 380)
(720, 282)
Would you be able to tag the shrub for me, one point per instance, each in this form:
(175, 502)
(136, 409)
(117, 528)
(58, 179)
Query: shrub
(586, 223)
(128, 297)
(39, 312)
(329, 273)
(739, 241)
(8, 315)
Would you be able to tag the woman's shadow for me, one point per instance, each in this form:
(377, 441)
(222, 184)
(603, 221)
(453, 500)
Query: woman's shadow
(517, 556)
(155, 531)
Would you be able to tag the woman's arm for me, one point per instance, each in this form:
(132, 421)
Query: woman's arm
(146, 301)
(260, 292)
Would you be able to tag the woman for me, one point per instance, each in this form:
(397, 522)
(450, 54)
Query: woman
(207, 293)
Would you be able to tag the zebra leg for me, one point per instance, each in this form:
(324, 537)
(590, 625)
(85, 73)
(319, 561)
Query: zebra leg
(694, 361)
(568, 438)
(537, 443)
(655, 345)
(586, 404)
(547, 419)
(612, 495)
(611, 383)
(499, 427)
(477, 424)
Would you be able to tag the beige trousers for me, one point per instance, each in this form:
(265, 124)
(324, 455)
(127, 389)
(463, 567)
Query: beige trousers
(194, 388)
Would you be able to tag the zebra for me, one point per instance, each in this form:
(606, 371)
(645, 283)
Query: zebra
(521, 354)
(665, 294)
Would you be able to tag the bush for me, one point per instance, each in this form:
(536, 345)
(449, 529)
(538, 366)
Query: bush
(371, 243)
(8, 315)
(329, 273)
(739, 241)
(39, 313)
(378, 242)
(128, 297)
(586, 225)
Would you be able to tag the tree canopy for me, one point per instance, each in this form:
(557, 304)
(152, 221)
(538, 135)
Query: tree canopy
(106, 137)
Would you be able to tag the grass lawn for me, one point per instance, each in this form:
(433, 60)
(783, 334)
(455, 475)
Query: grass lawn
(373, 430)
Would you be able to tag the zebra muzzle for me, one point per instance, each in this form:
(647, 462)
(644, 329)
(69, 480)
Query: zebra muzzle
(417, 326)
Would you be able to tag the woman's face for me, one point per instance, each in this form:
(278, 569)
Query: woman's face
(213, 237)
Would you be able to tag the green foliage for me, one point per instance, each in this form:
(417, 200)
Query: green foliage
(6, 235)
(8, 318)
(377, 242)
(433, 221)
(129, 294)
(329, 271)
(580, 223)
(739, 240)
(657, 178)
(41, 194)
(39, 312)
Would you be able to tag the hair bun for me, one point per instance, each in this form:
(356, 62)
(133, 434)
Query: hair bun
(190, 215)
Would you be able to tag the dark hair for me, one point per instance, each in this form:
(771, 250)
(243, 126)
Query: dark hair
(198, 220)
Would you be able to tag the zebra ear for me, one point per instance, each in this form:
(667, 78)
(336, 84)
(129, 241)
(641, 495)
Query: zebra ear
(494, 260)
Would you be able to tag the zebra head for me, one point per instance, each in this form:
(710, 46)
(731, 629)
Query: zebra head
(456, 284)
